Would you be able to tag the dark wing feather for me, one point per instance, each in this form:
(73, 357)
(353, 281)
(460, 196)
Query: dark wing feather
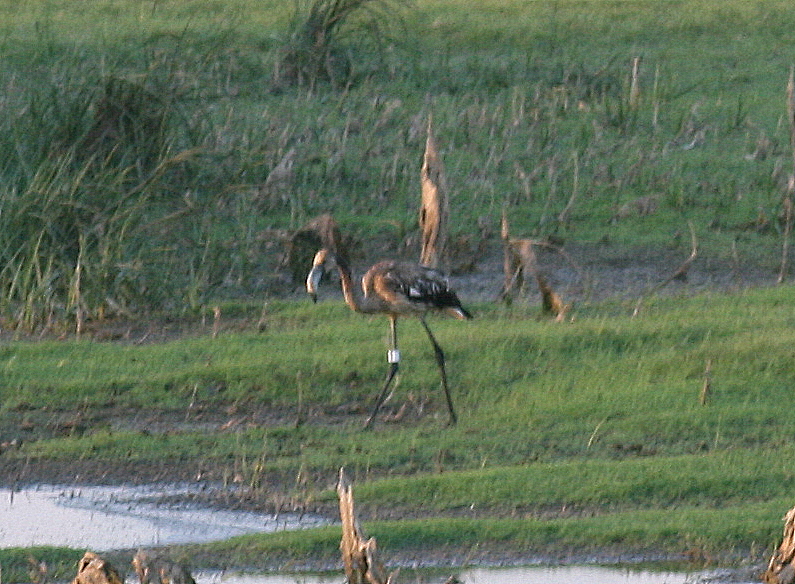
(422, 286)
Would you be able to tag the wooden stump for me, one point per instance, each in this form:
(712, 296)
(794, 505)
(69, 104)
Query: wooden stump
(359, 553)
(92, 569)
(781, 569)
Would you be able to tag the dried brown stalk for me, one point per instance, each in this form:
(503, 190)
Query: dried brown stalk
(551, 302)
(216, 320)
(509, 269)
(92, 569)
(679, 274)
(519, 262)
(781, 570)
(564, 215)
(434, 207)
(152, 568)
(634, 86)
(787, 204)
(359, 553)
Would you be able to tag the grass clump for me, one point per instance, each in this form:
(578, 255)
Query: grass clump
(26, 564)
(84, 189)
(321, 33)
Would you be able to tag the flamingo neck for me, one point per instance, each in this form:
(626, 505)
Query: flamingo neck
(353, 298)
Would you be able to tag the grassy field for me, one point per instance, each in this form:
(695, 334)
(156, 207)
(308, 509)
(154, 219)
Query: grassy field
(581, 438)
(172, 206)
(573, 438)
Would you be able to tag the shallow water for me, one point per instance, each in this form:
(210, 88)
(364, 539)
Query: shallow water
(106, 518)
(522, 575)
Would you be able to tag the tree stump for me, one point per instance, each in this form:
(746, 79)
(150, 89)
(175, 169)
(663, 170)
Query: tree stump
(781, 569)
(359, 553)
(92, 569)
(154, 569)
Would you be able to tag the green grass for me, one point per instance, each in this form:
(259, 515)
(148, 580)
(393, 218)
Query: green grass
(583, 436)
(23, 564)
(701, 532)
(524, 96)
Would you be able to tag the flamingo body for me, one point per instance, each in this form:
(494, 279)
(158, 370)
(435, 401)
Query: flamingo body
(411, 289)
(395, 289)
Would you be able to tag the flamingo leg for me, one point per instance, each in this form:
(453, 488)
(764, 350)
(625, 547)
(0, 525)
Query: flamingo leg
(440, 362)
(393, 356)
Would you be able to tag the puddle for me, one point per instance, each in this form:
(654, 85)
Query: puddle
(107, 518)
(523, 575)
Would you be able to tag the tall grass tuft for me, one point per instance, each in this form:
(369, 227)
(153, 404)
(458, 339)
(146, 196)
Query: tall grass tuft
(322, 34)
(89, 182)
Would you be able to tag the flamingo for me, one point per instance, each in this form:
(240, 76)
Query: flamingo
(395, 289)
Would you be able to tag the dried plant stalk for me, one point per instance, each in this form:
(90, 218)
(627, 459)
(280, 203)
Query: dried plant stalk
(787, 204)
(216, 320)
(510, 268)
(679, 274)
(92, 569)
(520, 262)
(434, 208)
(781, 570)
(634, 86)
(152, 568)
(551, 301)
(359, 553)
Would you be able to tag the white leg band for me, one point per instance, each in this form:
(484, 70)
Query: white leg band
(393, 356)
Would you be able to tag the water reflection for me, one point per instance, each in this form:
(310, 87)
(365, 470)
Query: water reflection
(106, 518)
(523, 575)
